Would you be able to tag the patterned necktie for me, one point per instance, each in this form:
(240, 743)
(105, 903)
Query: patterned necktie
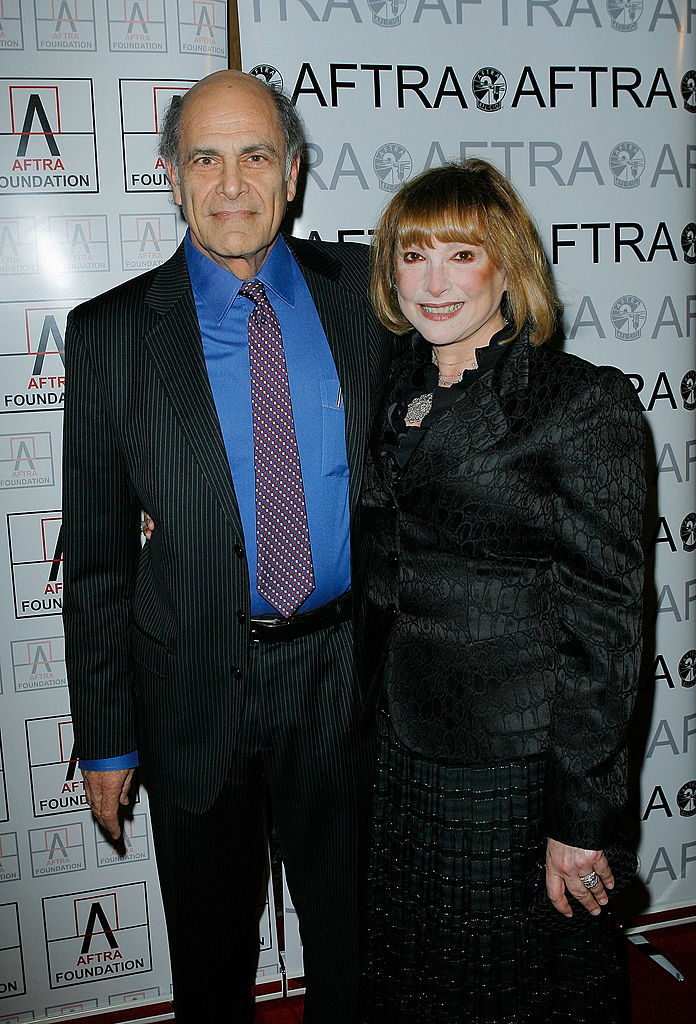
(285, 575)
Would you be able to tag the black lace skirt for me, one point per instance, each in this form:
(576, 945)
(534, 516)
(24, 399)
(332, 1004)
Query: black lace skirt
(449, 939)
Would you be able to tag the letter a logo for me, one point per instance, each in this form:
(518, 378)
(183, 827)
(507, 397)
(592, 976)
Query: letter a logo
(97, 915)
(65, 15)
(35, 109)
(136, 14)
(57, 848)
(23, 454)
(205, 21)
(50, 329)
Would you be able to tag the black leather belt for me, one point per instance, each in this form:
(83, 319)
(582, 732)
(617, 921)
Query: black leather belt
(269, 629)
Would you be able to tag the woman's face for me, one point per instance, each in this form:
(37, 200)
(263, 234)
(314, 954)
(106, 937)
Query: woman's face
(450, 292)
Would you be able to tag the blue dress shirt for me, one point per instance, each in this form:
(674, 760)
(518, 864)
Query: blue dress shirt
(317, 405)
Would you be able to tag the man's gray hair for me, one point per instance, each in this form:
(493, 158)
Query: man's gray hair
(290, 123)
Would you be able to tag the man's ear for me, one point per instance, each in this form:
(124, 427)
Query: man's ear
(174, 182)
(292, 179)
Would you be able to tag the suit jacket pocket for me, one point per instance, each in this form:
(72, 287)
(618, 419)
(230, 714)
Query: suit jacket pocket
(148, 652)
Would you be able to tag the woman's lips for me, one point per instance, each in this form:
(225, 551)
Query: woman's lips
(444, 312)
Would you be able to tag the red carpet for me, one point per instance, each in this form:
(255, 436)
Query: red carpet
(657, 997)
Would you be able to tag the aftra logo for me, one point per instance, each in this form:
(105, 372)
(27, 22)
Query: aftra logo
(65, 25)
(81, 241)
(97, 935)
(687, 668)
(203, 27)
(489, 87)
(392, 164)
(137, 25)
(47, 136)
(38, 664)
(268, 74)
(387, 13)
(625, 14)
(627, 162)
(57, 850)
(628, 316)
(147, 241)
(34, 364)
(26, 460)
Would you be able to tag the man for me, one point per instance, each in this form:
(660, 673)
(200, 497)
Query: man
(228, 393)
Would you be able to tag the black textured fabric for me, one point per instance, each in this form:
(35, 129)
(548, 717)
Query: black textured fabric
(502, 568)
(449, 937)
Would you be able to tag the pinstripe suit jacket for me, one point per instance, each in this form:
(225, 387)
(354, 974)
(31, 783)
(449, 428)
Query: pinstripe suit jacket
(157, 639)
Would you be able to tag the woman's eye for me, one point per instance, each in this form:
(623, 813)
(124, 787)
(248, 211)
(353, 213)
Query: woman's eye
(463, 255)
(411, 257)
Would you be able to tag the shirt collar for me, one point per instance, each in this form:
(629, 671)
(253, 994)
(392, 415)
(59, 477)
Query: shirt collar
(218, 288)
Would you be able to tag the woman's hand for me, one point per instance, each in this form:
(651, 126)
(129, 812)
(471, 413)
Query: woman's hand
(147, 526)
(565, 866)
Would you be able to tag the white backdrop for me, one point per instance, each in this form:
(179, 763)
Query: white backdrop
(589, 106)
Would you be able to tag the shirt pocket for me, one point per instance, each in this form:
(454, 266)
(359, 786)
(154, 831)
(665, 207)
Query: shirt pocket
(333, 429)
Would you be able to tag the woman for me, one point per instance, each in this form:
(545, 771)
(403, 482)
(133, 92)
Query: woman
(500, 622)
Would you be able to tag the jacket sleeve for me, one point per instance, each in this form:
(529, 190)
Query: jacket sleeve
(599, 495)
(101, 546)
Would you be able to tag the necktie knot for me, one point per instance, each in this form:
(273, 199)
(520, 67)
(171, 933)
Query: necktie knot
(253, 290)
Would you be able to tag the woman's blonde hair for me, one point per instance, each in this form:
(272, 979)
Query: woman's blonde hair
(466, 202)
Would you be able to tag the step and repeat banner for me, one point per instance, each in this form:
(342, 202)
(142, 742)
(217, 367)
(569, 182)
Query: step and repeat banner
(589, 106)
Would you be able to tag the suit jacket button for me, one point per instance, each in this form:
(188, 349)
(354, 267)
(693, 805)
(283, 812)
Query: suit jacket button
(239, 551)
(236, 673)
(241, 616)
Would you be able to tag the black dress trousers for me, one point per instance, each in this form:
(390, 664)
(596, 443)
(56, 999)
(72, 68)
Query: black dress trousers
(301, 748)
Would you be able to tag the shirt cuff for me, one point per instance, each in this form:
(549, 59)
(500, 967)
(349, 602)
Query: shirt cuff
(109, 764)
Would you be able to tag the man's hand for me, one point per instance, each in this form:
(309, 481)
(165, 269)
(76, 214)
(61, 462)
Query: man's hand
(105, 791)
(565, 865)
(147, 526)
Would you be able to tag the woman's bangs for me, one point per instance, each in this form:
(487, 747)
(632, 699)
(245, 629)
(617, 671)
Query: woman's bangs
(423, 223)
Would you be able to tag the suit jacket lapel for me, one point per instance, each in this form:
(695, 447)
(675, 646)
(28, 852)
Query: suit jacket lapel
(174, 342)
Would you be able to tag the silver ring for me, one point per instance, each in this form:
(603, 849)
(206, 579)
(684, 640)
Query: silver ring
(143, 527)
(591, 880)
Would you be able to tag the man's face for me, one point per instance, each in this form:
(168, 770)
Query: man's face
(232, 186)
